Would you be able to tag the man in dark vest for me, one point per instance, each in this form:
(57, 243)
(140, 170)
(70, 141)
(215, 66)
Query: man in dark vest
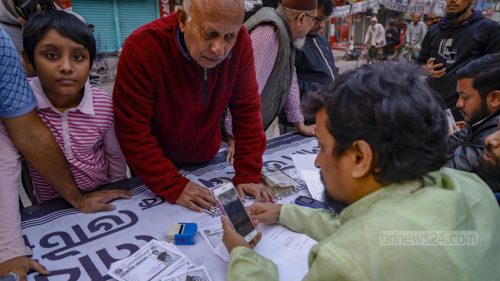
(275, 34)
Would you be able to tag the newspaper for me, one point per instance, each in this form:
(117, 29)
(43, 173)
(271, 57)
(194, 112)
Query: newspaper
(155, 261)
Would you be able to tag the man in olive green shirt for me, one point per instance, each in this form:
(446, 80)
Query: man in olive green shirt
(383, 143)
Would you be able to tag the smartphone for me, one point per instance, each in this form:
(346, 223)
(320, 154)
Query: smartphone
(451, 120)
(440, 58)
(309, 202)
(232, 207)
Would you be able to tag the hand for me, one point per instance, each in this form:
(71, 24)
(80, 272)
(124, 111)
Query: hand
(232, 239)
(430, 67)
(195, 197)
(265, 213)
(99, 200)
(460, 125)
(230, 150)
(306, 130)
(261, 192)
(21, 266)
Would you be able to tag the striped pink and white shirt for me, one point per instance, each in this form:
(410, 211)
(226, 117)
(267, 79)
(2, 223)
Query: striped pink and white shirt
(86, 136)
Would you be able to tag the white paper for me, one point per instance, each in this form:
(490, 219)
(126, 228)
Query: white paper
(153, 261)
(213, 235)
(287, 249)
(222, 252)
(304, 163)
(314, 184)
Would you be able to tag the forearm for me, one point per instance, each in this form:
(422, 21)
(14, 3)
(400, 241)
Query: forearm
(248, 131)
(250, 143)
(457, 139)
(11, 241)
(292, 106)
(315, 223)
(37, 144)
(117, 165)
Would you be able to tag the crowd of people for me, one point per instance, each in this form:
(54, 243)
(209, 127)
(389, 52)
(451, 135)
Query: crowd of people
(189, 80)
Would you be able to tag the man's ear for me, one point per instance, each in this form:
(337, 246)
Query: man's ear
(493, 100)
(299, 20)
(362, 156)
(29, 67)
(182, 20)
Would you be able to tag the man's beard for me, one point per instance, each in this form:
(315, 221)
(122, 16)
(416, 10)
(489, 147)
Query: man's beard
(331, 204)
(452, 18)
(483, 113)
(299, 42)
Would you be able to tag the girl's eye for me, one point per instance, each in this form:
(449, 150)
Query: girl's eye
(79, 57)
(51, 55)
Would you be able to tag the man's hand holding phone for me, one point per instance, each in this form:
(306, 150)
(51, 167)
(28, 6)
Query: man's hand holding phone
(435, 67)
(233, 239)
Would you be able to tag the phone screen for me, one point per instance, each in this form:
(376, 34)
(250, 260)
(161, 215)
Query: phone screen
(306, 200)
(236, 212)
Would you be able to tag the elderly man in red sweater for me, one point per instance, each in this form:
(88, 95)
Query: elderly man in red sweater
(176, 76)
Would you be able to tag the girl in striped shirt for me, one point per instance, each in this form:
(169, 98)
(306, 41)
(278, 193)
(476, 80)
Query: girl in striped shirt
(60, 49)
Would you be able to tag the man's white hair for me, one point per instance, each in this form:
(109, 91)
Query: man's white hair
(187, 5)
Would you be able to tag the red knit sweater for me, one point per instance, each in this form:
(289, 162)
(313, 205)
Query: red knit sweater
(163, 117)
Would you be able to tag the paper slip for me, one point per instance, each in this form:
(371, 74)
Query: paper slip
(195, 274)
(287, 249)
(213, 235)
(314, 184)
(153, 262)
(304, 163)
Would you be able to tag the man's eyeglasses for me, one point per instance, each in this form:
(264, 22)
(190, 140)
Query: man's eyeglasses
(317, 20)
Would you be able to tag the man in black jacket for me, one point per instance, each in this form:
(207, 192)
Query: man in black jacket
(315, 64)
(479, 103)
(463, 35)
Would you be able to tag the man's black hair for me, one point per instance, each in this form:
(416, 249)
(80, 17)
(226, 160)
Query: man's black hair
(326, 6)
(64, 23)
(487, 81)
(482, 71)
(392, 108)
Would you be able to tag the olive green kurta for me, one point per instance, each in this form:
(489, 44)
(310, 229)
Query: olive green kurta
(353, 245)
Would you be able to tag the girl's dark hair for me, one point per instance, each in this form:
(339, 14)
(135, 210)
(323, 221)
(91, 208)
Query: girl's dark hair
(64, 23)
(390, 106)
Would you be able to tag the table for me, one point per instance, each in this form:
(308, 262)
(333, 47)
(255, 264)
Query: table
(76, 246)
